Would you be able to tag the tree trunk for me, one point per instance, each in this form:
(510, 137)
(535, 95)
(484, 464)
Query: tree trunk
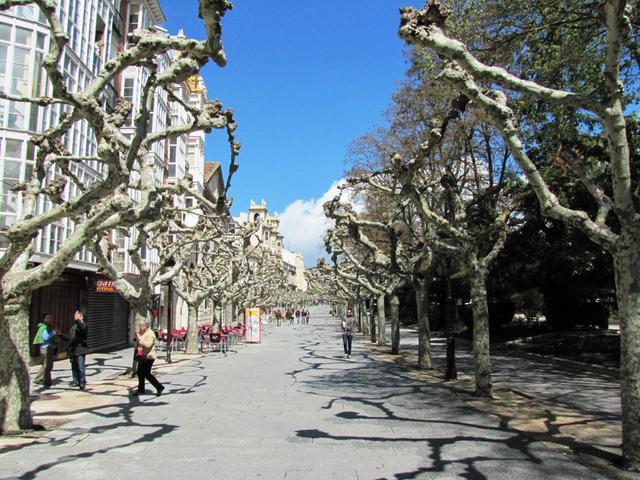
(364, 322)
(192, 330)
(394, 313)
(382, 321)
(227, 318)
(372, 322)
(627, 273)
(421, 288)
(481, 356)
(15, 404)
(450, 309)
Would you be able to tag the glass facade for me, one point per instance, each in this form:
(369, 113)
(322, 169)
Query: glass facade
(96, 32)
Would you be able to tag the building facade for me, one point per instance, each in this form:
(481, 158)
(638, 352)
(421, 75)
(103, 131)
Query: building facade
(268, 240)
(97, 31)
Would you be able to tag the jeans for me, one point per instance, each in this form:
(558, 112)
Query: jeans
(346, 342)
(144, 373)
(78, 370)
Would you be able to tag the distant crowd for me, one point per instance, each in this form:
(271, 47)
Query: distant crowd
(299, 316)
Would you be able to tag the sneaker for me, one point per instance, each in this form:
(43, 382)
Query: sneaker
(73, 384)
(81, 387)
(135, 393)
(160, 390)
(348, 356)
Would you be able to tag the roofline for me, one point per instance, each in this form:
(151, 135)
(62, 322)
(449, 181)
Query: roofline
(156, 10)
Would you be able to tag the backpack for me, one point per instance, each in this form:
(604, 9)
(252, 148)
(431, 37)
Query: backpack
(37, 340)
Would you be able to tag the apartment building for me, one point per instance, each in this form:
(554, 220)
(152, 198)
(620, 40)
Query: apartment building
(97, 31)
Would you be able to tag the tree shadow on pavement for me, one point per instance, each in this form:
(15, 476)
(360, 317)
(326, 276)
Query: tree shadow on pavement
(123, 410)
(373, 394)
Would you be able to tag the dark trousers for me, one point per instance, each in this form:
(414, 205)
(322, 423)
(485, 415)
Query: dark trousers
(346, 342)
(78, 369)
(144, 373)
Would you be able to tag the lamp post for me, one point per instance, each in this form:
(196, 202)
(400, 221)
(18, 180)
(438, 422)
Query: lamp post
(170, 263)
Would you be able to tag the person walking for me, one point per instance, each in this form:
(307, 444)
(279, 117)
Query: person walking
(77, 349)
(297, 316)
(347, 333)
(146, 355)
(46, 340)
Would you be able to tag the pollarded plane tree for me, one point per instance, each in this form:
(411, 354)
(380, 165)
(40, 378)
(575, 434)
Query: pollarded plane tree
(614, 226)
(205, 268)
(264, 283)
(383, 256)
(412, 133)
(55, 193)
(157, 225)
(402, 242)
(352, 281)
(467, 214)
(348, 256)
(410, 242)
(335, 287)
(322, 282)
(455, 172)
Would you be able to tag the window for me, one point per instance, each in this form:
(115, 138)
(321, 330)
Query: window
(25, 11)
(134, 20)
(20, 78)
(55, 238)
(127, 94)
(5, 32)
(70, 71)
(17, 113)
(41, 41)
(23, 36)
(3, 66)
(173, 155)
(13, 148)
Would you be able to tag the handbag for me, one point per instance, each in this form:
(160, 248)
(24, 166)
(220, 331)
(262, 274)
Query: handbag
(140, 353)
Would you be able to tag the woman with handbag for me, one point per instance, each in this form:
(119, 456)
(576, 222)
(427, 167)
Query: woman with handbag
(146, 355)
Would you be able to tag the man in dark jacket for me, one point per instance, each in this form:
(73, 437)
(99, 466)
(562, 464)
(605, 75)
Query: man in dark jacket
(77, 349)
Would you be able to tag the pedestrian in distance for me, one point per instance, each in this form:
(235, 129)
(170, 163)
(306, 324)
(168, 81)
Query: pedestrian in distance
(289, 316)
(146, 355)
(46, 340)
(298, 316)
(77, 349)
(347, 332)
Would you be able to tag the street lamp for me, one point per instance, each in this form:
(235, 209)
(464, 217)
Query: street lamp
(170, 263)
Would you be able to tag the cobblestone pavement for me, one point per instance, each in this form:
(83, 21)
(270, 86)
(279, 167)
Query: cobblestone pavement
(289, 408)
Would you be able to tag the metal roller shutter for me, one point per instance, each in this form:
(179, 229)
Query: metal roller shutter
(108, 321)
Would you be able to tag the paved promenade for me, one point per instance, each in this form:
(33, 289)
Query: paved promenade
(289, 408)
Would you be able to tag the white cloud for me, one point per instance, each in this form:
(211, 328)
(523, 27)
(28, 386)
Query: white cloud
(303, 225)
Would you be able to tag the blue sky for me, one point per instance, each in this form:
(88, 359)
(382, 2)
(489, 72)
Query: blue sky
(304, 79)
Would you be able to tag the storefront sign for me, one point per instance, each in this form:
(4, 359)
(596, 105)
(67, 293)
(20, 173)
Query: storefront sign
(252, 333)
(106, 286)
